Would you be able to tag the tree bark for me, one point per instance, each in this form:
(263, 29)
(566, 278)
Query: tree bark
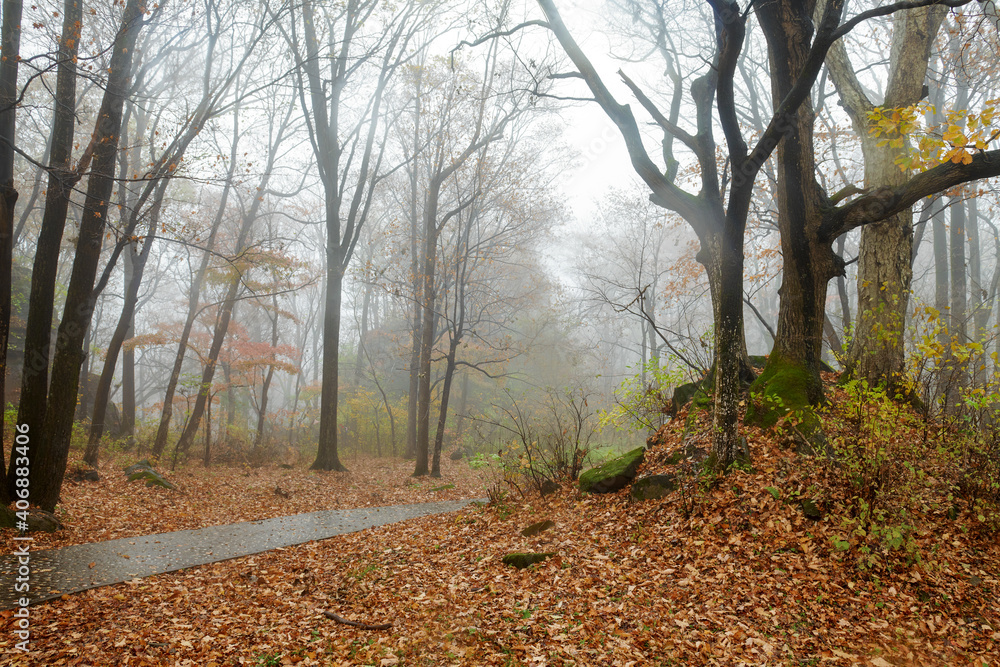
(884, 264)
(61, 180)
(49, 466)
(103, 392)
(10, 48)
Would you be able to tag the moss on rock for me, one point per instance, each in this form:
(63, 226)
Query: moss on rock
(614, 474)
(782, 388)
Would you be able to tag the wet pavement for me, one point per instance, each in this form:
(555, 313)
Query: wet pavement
(55, 572)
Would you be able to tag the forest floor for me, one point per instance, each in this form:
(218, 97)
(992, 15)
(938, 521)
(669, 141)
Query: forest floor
(728, 572)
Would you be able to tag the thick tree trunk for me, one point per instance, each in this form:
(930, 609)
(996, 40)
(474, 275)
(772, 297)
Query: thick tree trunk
(49, 466)
(793, 367)
(61, 180)
(730, 353)
(10, 35)
(884, 263)
(427, 319)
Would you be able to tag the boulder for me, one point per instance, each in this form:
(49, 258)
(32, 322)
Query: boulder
(613, 475)
(540, 527)
(152, 478)
(683, 395)
(38, 519)
(523, 560)
(457, 455)
(144, 464)
(652, 487)
(82, 474)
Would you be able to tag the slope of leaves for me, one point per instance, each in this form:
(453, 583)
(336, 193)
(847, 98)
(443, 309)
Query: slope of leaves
(733, 574)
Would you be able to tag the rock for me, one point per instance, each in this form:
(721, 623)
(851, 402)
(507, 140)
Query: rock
(810, 510)
(523, 560)
(38, 519)
(152, 478)
(139, 465)
(457, 455)
(540, 527)
(683, 395)
(613, 475)
(548, 487)
(286, 466)
(85, 475)
(443, 487)
(652, 487)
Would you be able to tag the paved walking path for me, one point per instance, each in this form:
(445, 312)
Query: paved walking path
(72, 569)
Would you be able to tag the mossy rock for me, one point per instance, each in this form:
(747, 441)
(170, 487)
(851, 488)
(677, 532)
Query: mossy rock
(38, 520)
(613, 475)
(538, 528)
(683, 395)
(144, 464)
(653, 487)
(457, 455)
(523, 560)
(786, 388)
(152, 478)
(443, 487)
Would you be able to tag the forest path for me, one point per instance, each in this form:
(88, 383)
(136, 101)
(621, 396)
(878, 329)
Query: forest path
(57, 572)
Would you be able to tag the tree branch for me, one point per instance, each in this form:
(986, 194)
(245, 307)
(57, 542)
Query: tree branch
(884, 202)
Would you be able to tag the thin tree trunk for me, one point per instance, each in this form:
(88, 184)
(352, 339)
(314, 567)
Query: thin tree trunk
(194, 298)
(121, 333)
(449, 374)
(262, 413)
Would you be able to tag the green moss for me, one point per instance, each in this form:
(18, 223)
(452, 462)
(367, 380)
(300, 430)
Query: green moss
(783, 387)
(621, 469)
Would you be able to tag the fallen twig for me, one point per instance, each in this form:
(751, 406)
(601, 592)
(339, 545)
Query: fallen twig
(363, 626)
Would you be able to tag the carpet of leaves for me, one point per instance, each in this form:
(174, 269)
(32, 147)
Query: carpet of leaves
(725, 576)
(115, 508)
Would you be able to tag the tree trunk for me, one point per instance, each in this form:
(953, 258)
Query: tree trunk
(208, 372)
(792, 370)
(10, 35)
(49, 466)
(449, 374)
(262, 413)
(326, 453)
(194, 298)
(103, 392)
(958, 372)
(61, 180)
(885, 271)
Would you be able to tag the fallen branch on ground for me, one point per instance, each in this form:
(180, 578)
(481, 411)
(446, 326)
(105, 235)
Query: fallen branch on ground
(363, 626)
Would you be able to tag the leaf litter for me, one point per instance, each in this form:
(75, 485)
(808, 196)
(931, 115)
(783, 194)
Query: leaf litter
(730, 576)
